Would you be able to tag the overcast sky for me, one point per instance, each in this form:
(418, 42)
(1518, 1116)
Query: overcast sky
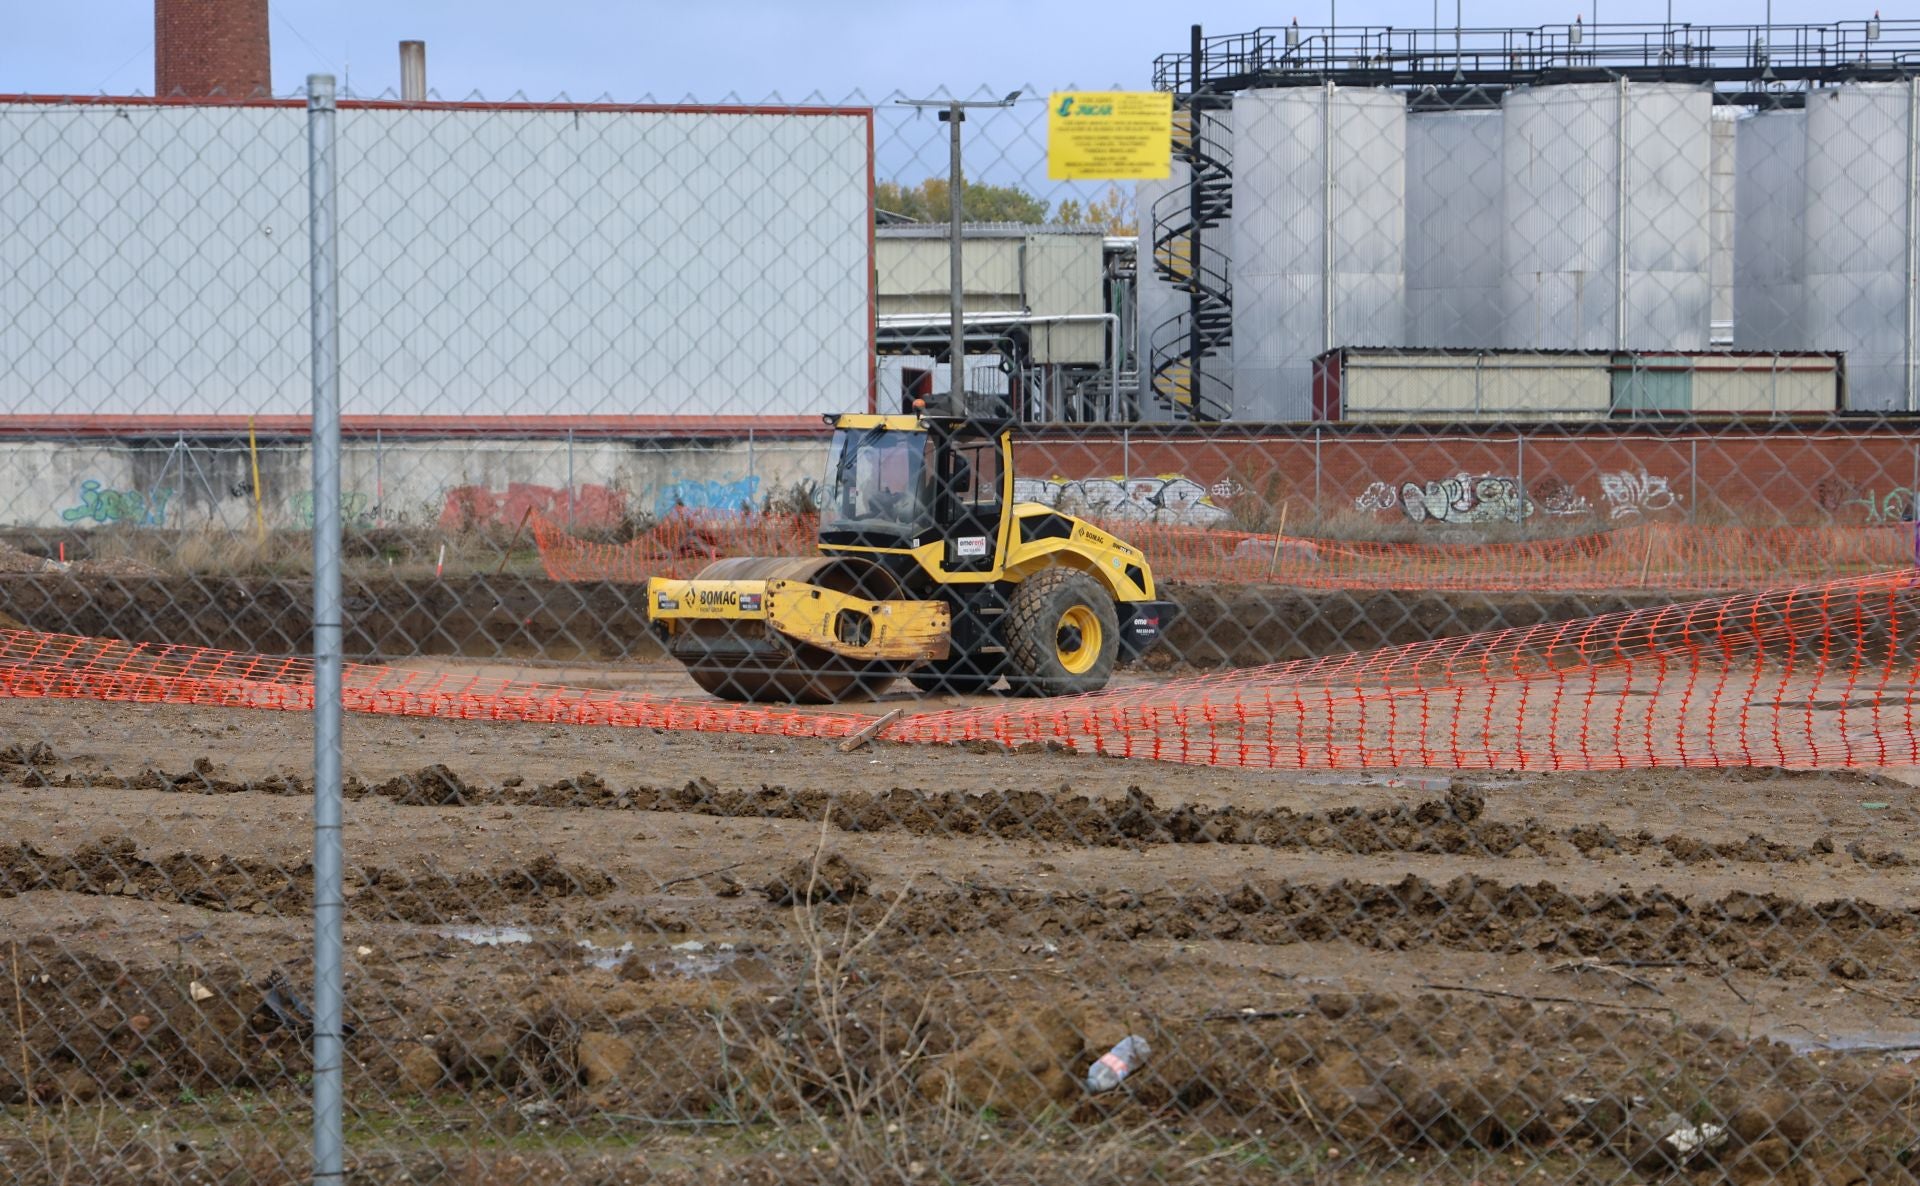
(750, 49)
(721, 50)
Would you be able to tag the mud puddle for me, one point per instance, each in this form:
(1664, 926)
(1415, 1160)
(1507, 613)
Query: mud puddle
(689, 958)
(1895, 1045)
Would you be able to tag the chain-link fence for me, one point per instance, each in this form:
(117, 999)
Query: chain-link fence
(1399, 666)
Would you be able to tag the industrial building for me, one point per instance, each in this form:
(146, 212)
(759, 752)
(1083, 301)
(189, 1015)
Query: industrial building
(1048, 311)
(505, 259)
(1641, 190)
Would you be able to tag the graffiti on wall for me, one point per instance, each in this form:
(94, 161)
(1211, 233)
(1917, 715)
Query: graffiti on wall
(1557, 497)
(470, 507)
(99, 503)
(1500, 498)
(705, 495)
(356, 509)
(1894, 506)
(1463, 498)
(1636, 493)
(1164, 498)
(1878, 505)
(1481, 498)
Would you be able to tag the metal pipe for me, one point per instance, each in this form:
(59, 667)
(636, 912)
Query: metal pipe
(413, 72)
(956, 298)
(954, 111)
(329, 903)
(991, 317)
(1913, 234)
(1326, 215)
(1620, 215)
(1195, 210)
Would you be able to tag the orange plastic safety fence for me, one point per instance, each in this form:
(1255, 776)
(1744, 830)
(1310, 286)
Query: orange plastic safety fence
(1816, 676)
(68, 667)
(1667, 556)
(1821, 675)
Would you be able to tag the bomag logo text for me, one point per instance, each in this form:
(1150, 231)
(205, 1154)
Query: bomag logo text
(1071, 106)
(716, 597)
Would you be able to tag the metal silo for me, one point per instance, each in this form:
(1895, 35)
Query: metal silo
(1606, 204)
(1454, 228)
(1319, 236)
(1860, 242)
(1769, 231)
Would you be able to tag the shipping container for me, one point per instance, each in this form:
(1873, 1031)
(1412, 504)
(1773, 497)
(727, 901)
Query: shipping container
(1460, 386)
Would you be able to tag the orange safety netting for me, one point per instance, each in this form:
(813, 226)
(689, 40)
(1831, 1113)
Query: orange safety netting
(1820, 675)
(1815, 676)
(62, 666)
(1668, 556)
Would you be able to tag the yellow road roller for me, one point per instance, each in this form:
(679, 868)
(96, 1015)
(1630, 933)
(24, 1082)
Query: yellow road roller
(926, 568)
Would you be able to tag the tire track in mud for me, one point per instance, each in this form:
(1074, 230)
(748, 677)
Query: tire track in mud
(112, 866)
(1453, 825)
(1761, 933)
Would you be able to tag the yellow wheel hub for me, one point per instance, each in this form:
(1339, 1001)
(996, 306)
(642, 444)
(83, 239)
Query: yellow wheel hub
(1077, 640)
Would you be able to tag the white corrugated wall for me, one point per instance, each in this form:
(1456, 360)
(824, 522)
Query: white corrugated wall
(153, 261)
(1860, 145)
(1769, 231)
(1453, 228)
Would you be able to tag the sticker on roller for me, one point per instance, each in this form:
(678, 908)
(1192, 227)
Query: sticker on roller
(750, 602)
(668, 602)
(970, 545)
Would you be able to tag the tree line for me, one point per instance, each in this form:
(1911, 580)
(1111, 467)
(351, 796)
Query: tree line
(1112, 212)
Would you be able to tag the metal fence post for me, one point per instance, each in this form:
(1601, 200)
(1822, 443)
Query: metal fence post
(379, 483)
(328, 903)
(1693, 480)
(1316, 473)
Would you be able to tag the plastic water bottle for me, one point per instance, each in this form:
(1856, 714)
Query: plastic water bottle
(1118, 1063)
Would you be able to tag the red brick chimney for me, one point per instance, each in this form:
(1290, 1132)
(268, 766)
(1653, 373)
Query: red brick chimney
(211, 49)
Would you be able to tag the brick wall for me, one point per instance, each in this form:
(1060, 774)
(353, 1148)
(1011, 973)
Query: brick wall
(211, 48)
(1835, 473)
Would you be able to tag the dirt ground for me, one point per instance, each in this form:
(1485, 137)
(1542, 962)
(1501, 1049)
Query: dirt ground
(621, 955)
(520, 619)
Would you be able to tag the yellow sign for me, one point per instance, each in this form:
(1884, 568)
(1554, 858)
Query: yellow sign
(1109, 135)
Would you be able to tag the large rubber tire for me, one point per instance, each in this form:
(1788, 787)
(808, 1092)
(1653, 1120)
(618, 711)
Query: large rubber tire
(955, 677)
(1063, 635)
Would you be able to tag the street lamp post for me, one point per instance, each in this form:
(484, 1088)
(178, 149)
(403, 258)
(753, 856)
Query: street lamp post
(953, 112)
